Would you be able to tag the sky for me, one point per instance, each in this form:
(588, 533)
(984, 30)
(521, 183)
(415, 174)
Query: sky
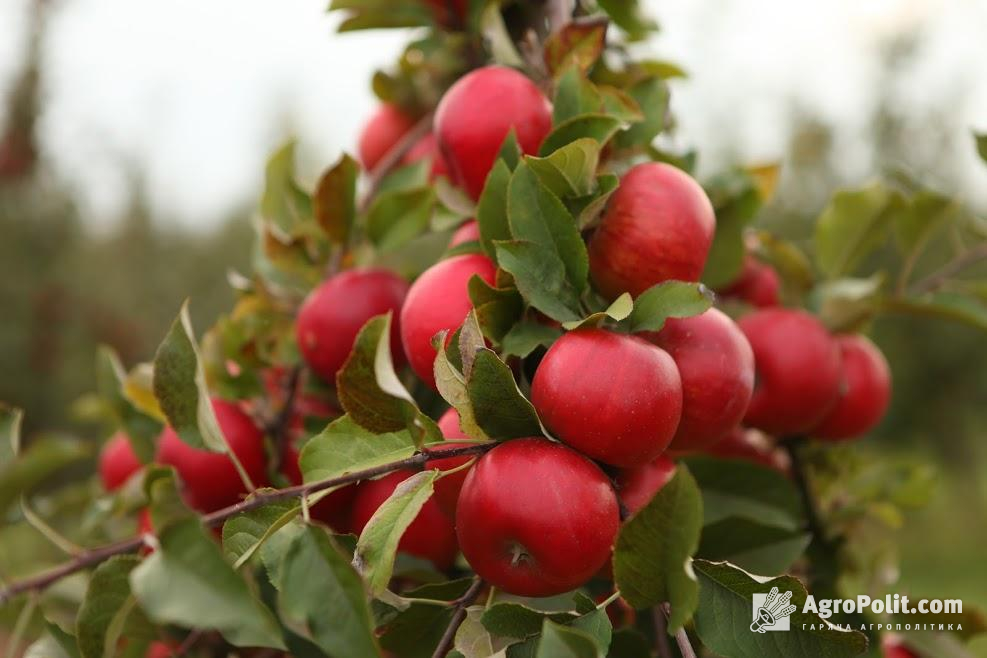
(188, 97)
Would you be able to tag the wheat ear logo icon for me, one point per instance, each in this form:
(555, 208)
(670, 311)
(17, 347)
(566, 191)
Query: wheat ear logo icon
(774, 608)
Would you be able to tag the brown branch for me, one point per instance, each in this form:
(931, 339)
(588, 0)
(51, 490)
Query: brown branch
(279, 427)
(681, 637)
(95, 556)
(661, 633)
(813, 520)
(463, 602)
(966, 259)
(393, 158)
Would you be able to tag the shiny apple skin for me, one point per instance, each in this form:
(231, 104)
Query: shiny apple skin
(657, 226)
(439, 300)
(448, 487)
(209, 479)
(716, 364)
(430, 536)
(637, 485)
(798, 371)
(117, 462)
(536, 519)
(613, 397)
(385, 128)
(476, 114)
(865, 391)
(757, 284)
(333, 314)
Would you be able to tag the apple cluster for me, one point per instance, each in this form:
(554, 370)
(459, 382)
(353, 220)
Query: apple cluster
(538, 516)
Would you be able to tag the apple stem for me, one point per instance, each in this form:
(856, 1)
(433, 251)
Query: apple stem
(92, 557)
(463, 602)
(610, 599)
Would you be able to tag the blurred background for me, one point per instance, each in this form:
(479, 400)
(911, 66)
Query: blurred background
(133, 136)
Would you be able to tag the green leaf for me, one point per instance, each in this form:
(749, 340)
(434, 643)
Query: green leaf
(853, 225)
(497, 38)
(753, 546)
(378, 543)
(578, 44)
(725, 613)
(334, 200)
(473, 640)
(981, 140)
(284, 203)
(943, 305)
(246, 532)
(651, 95)
(371, 393)
(927, 214)
(590, 208)
(736, 201)
(540, 276)
(564, 642)
(187, 582)
(491, 211)
(787, 259)
(847, 304)
(376, 14)
(180, 387)
(571, 170)
(11, 419)
(107, 607)
(35, 464)
(323, 594)
(599, 127)
(618, 310)
(111, 379)
(734, 488)
(496, 309)
(574, 95)
(451, 384)
(499, 407)
(538, 216)
(510, 151)
(519, 621)
(416, 630)
(345, 447)
(670, 299)
(525, 337)
(628, 17)
(596, 624)
(654, 546)
(398, 216)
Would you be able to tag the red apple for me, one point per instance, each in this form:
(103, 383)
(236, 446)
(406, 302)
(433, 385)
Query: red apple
(448, 487)
(477, 113)
(750, 445)
(636, 486)
(430, 536)
(535, 518)
(657, 226)
(798, 371)
(117, 462)
(864, 393)
(757, 284)
(209, 479)
(334, 313)
(469, 231)
(381, 133)
(439, 300)
(893, 647)
(333, 510)
(159, 650)
(716, 364)
(613, 397)
(427, 149)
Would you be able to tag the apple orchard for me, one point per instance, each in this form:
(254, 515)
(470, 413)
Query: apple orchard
(509, 382)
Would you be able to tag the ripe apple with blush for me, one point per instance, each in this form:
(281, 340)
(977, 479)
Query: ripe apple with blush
(798, 371)
(430, 536)
(477, 113)
(716, 364)
(750, 445)
(535, 518)
(469, 231)
(757, 284)
(447, 488)
(333, 314)
(210, 480)
(657, 226)
(117, 462)
(439, 300)
(865, 391)
(636, 486)
(613, 397)
(381, 133)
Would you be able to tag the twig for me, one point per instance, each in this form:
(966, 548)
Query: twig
(813, 520)
(393, 157)
(278, 428)
(681, 637)
(97, 555)
(661, 633)
(966, 259)
(463, 602)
